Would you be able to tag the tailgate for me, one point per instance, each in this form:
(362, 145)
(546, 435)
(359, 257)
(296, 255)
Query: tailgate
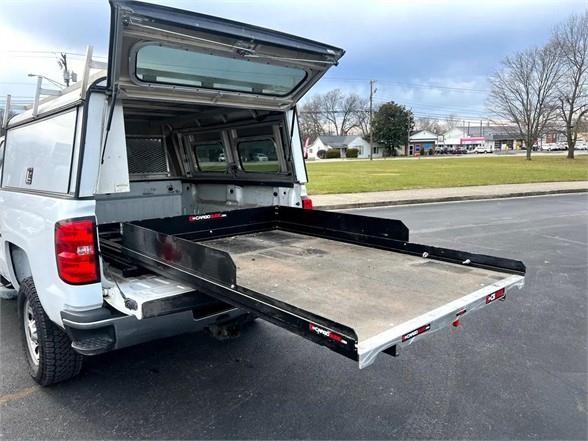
(352, 283)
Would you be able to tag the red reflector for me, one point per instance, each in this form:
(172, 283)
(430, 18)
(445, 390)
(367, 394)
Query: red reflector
(496, 295)
(76, 251)
(306, 203)
(326, 333)
(416, 332)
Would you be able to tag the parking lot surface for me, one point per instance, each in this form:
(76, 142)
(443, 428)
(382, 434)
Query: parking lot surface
(516, 370)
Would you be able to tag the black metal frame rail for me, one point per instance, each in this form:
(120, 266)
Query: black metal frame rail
(176, 247)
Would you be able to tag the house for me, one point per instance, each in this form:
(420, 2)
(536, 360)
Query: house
(342, 143)
(422, 142)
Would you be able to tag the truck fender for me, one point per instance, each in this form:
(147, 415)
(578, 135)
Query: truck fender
(18, 265)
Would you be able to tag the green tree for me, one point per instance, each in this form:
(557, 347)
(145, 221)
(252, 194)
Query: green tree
(392, 124)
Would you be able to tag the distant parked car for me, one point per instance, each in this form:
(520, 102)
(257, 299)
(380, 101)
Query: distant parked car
(222, 158)
(552, 147)
(260, 157)
(484, 149)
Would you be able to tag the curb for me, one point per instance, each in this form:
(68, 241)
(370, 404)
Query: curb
(448, 199)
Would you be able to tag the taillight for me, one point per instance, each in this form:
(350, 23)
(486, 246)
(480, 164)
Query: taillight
(76, 251)
(306, 203)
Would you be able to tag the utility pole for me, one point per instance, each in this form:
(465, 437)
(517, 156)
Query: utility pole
(62, 62)
(372, 92)
(407, 135)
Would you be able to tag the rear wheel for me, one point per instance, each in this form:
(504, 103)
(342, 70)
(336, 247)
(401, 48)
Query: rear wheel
(47, 347)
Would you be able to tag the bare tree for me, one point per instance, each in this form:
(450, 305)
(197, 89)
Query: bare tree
(312, 121)
(429, 124)
(571, 40)
(340, 111)
(336, 113)
(361, 117)
(451, 122)
(331, 102)
(524, 92)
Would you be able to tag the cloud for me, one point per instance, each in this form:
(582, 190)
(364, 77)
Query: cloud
(408, 46)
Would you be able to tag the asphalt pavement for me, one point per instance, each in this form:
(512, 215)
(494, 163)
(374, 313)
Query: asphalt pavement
(517, 370)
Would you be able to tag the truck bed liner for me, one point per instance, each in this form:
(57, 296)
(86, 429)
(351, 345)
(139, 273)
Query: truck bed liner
(352, 283)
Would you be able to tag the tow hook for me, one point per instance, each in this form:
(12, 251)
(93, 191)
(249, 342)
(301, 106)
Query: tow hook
(227, 330)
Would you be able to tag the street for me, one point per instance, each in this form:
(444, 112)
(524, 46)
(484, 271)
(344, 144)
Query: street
(516, 370)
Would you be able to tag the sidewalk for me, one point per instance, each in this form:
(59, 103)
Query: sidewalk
(419, 196)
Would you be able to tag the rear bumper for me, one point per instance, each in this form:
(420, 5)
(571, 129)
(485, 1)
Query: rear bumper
(102, 330)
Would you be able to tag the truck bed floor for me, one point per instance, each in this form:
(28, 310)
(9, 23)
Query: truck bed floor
(365, 288)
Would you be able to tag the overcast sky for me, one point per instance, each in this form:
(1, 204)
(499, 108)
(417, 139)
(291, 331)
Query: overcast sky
(431, 55)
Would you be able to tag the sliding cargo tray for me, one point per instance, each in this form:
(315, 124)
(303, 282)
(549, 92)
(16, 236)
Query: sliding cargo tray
(352, 283)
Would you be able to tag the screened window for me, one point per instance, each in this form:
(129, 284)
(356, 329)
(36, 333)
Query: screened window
(159, 64)
(259, 155)
(210, 156)
(146, 156)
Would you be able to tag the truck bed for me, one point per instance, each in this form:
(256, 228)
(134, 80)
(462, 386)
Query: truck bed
(368, 289)
(354, 284)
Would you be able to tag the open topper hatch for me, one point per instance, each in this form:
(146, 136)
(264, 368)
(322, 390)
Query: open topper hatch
(158, 52)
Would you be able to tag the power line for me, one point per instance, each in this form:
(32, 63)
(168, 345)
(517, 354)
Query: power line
(416, 85)
(387, 99)
(424, 108)
(27, 83)
(46, 54)
(415, 113)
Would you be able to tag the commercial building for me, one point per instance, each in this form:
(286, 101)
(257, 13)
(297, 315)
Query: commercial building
(465, 139)
(422, 142)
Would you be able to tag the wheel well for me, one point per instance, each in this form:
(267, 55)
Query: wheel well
(20, 264)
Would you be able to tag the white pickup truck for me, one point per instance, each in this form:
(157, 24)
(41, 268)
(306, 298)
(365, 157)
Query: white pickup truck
(166, 194)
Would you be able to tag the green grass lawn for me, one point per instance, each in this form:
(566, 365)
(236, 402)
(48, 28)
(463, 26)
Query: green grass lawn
(394, 174)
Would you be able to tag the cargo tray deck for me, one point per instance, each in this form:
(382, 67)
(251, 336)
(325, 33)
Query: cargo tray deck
(352, 283)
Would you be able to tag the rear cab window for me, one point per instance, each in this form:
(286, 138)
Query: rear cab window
(241, 153)
(210, 156)
(259, 155)
(208, 152)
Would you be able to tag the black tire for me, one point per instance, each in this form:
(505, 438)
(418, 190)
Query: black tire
(57, 361)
